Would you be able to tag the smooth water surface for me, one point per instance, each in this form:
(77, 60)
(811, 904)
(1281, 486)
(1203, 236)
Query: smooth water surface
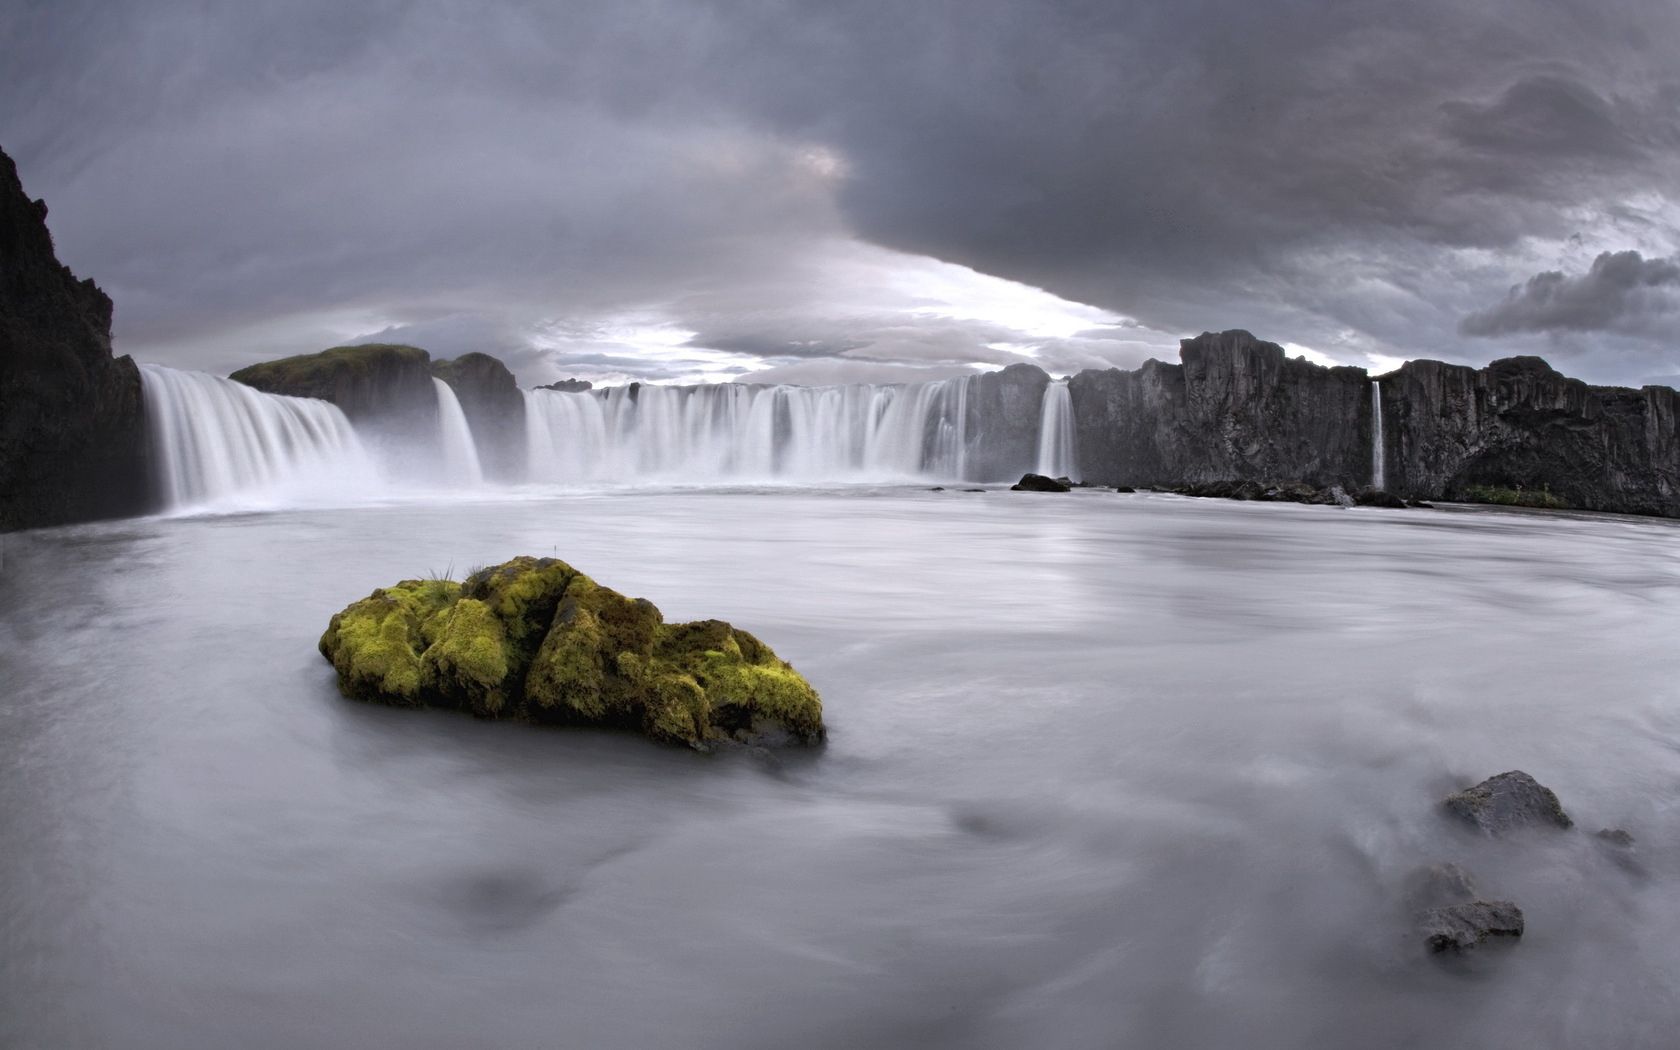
(1104, 771)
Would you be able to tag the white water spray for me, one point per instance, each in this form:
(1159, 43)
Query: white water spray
(735, 432)
(1379, 478)
(1055, 432)
(460, 453)
(219, 443)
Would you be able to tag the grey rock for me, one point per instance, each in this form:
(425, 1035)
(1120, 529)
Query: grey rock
(1614, 837)
(568, 386)
(1040, 483)
(1460, 927)
(1508, 802)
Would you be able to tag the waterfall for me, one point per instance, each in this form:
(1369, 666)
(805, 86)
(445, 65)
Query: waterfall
(460, 454)
(1055, 432)
(221, 443)
(1379, 478)
(736, 432)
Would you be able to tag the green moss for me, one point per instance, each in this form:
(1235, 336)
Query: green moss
(375, 644)
(1541, 498)
(533, 638)
(524, 594)
(568, 672)
(469, 663)
(306, 371)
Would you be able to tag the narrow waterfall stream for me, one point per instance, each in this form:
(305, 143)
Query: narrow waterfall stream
(1055, 432)
(460, 455)
(1379, 479)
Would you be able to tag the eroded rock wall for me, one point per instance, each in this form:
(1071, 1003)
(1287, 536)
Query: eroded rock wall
(72, 429)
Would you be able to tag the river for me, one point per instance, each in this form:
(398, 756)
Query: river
(1103, 771)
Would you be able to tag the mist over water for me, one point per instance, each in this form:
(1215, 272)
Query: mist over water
(1104, 771)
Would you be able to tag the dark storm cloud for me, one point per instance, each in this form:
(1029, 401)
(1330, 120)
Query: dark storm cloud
(1352, 175)
(1621, 291)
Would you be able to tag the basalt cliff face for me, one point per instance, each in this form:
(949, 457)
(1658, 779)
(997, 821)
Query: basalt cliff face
(72, 430)
(1239, 409)
(1002, 420)
(375, 383)
(1518, 425)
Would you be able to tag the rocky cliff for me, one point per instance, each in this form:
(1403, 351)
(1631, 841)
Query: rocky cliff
(495, 409)
(1236, 408)
(1519, 426)
(1003, 413)
(72, 432)
(373, 383)
(1239, 409)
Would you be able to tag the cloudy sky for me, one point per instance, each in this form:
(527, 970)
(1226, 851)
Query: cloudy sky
(834, 190)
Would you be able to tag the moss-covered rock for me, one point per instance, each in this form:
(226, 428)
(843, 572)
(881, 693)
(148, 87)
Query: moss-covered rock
(535, 640)
(375, 644)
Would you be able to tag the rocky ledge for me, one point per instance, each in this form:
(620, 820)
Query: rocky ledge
(72, 429)
(534, 640)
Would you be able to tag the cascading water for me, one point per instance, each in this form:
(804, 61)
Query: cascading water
(221, 443)
(1055, 432)
(1379, 478)
(460, 454)
(736, 432)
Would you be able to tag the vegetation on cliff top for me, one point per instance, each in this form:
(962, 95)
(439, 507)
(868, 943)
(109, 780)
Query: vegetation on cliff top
(305, 370)
(535, 640)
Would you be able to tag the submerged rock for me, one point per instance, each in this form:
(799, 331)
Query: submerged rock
(1460, 927)
(1040, 483)
(1379, 498)
(1614, 837)
(1508, 802)
(535, 640)
(1448, 915)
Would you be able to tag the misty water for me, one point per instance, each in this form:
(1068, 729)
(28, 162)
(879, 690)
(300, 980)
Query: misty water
(1103, 770)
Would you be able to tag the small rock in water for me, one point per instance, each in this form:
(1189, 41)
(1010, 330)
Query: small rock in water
(937, 488)
(1459, 927)
(1614, 837)
(1380, 498)
(1447, 914)
(1124, 488)
(1508, 802)
(1040, 483)
(974, 490)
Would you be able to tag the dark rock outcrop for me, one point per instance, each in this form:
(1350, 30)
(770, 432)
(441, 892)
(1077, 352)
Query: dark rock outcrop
(1460, 927)
(72, 418)
(1448, 914)
(1235, 409)
(1380, 498)
(568, 386)
(1518, 432)
(495, 409)
(1508, 802)
(1002, 422)
(1254, 491)
(372, 383)
(1040, 483)
(534, 640)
